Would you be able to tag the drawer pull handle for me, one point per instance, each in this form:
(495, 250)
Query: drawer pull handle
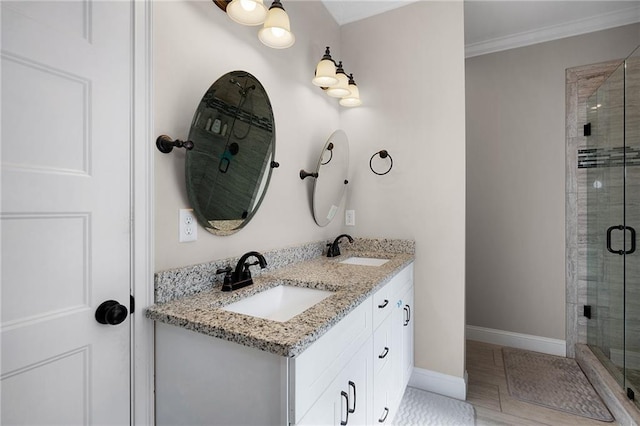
(353, 385)
(407, 309)
(384, 353)
(384, 305)
(346, 397)
(384, 417)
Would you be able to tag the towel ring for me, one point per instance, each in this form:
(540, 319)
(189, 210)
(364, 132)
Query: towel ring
(383, 154)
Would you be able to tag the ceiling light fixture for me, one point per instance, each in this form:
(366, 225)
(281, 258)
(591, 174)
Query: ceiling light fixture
(276, 32)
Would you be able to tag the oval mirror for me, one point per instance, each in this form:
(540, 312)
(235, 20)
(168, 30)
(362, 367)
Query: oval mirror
(229, 168)
(331, 182)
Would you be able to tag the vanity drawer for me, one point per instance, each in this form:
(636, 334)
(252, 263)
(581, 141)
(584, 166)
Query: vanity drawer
(382, 346)
(383, 303)
(311, 372)
(386, 297)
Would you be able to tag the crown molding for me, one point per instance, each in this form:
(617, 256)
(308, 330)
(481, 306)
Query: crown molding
(568, 29)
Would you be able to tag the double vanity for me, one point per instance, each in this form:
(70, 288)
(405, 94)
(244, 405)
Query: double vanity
(317, 341)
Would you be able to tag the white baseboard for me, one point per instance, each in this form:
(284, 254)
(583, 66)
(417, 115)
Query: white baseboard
(517, 340)
(443, 384)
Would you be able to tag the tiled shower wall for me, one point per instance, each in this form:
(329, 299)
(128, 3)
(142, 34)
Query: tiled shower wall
(606, 189)
(581, 83)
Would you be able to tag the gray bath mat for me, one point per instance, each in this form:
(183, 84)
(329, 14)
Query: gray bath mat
(553, 382)
(425, 408)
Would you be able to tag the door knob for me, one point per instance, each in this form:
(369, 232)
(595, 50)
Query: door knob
(111, 313)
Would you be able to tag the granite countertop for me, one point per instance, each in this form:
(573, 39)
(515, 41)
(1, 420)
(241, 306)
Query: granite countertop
(352, 284)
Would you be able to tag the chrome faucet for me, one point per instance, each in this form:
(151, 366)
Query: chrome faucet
(241, 276)
(334, 249)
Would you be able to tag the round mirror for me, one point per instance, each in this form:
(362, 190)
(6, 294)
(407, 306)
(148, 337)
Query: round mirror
(331, 182)
(229, 167)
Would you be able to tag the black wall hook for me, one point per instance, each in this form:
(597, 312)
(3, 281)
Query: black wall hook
(383, 154)
(165, 144)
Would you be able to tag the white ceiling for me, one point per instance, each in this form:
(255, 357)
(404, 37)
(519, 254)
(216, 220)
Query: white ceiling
(496, 25)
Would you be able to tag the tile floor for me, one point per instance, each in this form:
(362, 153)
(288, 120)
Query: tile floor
(489, 394)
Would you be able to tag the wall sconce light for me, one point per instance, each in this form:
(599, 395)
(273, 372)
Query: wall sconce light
(353, 98)
(325, 71)
(335, 82)
(340, 89)
(247, 12)
(275, 33)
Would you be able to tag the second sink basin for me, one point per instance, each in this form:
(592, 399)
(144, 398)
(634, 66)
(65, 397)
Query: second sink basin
(279, 303)
(364, 261)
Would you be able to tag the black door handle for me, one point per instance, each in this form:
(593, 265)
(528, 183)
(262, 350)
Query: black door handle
(111, 313)
(621, 228)
(633, 240)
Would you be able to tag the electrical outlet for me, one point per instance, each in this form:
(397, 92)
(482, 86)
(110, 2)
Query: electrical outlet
(187, 226)
(350, 217)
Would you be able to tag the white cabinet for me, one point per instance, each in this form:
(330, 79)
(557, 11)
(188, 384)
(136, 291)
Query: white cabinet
(393, 346)
(407, 334)
(316, 369)
(354, 374)
(347, 400)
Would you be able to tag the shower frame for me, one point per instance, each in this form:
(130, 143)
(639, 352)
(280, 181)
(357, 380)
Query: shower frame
(581, 83)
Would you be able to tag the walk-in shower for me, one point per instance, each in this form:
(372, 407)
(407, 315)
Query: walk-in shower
(609, 188)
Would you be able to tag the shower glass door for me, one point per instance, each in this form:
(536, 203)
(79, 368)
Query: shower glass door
(613, 215)
(632, 217)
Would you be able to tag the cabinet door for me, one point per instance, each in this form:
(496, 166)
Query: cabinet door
(407, 335)
(359, 385)
(326, 410)
(382, 405)
(347, 400)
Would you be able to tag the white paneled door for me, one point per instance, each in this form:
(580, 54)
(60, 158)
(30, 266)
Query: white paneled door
(65, 221)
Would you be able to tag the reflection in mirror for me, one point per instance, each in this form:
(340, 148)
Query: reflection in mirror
(331, 180)
(229, 168)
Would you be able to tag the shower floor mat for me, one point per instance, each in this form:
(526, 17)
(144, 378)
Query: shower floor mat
(554, 382)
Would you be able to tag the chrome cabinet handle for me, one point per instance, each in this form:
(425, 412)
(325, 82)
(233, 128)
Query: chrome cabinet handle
(384, 305)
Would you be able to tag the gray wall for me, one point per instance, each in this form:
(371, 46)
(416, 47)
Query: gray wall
(515, 109)
(413, 106)
(412, 85)
(195, 43)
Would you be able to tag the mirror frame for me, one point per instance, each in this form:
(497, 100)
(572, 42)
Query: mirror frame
(334, 144)
(224, 226)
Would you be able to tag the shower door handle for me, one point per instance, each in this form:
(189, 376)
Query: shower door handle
(633, 240)
(621, 228)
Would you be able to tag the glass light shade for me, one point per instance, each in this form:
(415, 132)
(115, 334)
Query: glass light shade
(247, 12)
(352, 100)
(325, 74)
(341, 89)
(276, 32)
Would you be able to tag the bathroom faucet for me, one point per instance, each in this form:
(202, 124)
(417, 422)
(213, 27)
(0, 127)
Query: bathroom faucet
(334, 249)
(241, 276)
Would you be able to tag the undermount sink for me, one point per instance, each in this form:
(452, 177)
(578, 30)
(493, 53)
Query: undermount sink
(279, 303)
(364, 261)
